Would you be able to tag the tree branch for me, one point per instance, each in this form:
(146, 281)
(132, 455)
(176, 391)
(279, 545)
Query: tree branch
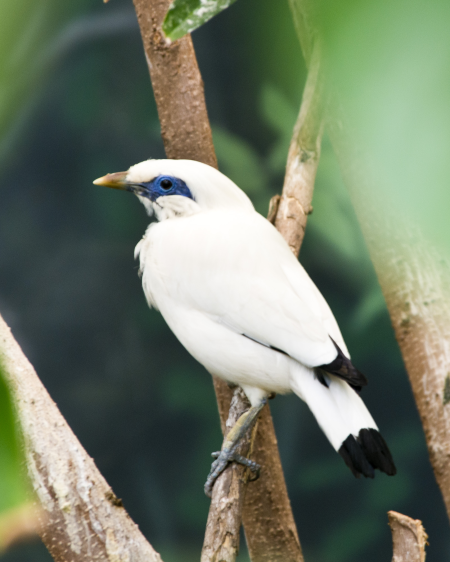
(83, 519)
(177, 86)
(303, 158)
(408, 538)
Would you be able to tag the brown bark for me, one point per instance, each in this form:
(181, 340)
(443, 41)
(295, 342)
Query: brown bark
(186, 133)
(177, 86)
(83, 519)
(269, 525)
(408, 538)
(270, 530)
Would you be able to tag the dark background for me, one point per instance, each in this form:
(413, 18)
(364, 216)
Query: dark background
(81, 106)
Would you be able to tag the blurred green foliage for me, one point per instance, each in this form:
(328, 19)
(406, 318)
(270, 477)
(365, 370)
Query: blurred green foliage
(390, 63)
(14, 487)
(143, 408)
(17, 514)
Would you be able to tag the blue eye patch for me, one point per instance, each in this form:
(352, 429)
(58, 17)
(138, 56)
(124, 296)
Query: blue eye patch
(162, 186)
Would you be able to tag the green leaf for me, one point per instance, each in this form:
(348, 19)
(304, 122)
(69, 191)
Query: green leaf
(186, 15)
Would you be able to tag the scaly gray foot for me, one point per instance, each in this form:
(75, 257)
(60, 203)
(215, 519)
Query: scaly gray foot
(223, 458)
(228, 453)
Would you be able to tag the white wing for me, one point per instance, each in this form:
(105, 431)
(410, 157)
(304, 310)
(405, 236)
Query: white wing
(236, 268)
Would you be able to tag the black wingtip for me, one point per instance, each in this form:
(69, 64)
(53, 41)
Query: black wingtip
(343, 368)
(367, 452)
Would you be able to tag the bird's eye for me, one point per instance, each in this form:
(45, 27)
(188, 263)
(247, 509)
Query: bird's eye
(166, 184)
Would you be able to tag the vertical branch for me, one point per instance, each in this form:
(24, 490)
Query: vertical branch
(408, 538)
(269, 525)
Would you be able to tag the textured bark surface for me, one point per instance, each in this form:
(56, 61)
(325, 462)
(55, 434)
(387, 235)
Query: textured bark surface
(84, 521)
(415, 282)
(179, 95)
(408, 538)
(303, 159)
(221, 542)
(177, 86)
(269, 526)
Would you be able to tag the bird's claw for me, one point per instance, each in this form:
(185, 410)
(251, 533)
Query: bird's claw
(254, 467)
(223, 458)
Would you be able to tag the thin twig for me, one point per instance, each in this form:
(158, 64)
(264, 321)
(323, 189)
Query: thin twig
(408, 538)
(303, 158)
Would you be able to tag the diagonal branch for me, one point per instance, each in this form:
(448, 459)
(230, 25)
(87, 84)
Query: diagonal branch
(84, 520)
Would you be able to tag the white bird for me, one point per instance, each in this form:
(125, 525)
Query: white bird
(239, 301)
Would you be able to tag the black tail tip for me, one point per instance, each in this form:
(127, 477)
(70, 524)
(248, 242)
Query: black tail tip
(367, 452)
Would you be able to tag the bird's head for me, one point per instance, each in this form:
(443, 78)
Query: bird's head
(174, 188)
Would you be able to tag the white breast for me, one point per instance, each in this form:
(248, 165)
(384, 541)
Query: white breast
(235, 268)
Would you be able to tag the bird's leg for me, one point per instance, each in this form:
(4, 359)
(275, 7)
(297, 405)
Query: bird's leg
(228, 453)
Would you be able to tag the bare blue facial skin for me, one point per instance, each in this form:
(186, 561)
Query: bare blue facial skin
(161, 186)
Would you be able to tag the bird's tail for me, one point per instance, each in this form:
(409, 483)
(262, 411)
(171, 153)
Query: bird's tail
(345, 420)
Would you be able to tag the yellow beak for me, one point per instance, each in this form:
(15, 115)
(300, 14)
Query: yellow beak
(116, 181)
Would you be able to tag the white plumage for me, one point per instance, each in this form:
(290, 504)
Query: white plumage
(239, 301)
